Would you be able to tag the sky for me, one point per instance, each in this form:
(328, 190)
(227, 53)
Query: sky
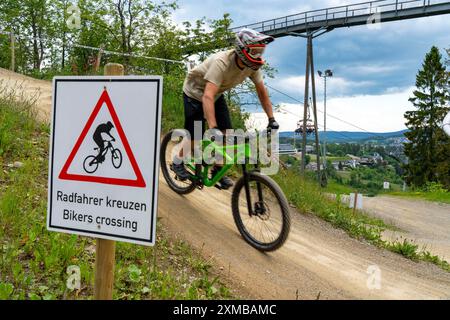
(374, 66)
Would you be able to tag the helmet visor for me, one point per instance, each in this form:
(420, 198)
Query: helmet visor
(256, 51)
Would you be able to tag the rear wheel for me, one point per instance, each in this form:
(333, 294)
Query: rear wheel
(170, 146)
(267, 227)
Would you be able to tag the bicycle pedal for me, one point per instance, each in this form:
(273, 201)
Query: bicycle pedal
(179, 179)
(218, 186)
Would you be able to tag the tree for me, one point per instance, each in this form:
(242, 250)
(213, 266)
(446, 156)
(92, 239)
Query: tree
(428, 148)
(202, 43)
(30, 21)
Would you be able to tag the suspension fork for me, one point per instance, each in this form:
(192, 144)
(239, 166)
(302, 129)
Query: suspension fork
(258, 187)
(247, 190)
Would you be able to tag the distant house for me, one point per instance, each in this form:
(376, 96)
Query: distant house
(365, 161)
(353, 157)
(287, 148)
(336, 164)
(309, 149)
(312, 166)
(351, 163)
(377, 157)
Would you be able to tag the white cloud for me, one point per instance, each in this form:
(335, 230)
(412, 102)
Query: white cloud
(369, 69)
(336, 85)
(375, 113)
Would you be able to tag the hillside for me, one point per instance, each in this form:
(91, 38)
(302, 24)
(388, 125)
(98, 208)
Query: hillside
(350, 136)
(317, 261)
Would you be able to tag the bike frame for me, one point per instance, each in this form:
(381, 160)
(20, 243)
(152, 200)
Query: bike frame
(108, 146)
(239, 150)
(105, 151)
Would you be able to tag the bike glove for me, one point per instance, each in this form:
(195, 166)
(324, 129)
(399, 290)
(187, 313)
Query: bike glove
(273, 124)
(214, 133)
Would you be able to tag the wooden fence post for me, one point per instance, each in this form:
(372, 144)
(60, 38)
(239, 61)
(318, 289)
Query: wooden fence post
(106, 249)
(355, 202)
(99, 58)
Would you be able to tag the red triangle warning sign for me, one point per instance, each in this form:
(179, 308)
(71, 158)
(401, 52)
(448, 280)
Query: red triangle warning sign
(91, 162)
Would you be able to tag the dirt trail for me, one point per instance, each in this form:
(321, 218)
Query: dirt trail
(28, 88)
(317, 260)
(426, 223)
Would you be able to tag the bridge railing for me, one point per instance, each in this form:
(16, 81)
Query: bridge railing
(339, 12)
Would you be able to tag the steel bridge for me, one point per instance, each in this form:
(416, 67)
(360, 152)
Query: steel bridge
(350, 15)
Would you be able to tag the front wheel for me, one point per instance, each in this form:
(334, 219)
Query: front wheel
(267, 226)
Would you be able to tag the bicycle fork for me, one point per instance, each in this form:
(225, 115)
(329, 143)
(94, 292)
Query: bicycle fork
(259, 205)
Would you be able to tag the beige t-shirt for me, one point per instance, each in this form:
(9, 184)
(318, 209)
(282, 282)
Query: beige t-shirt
(220, 69)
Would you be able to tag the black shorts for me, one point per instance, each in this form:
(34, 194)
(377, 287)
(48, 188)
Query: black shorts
(193, 111)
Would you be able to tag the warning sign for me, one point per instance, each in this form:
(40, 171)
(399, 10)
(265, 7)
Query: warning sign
(103, 177)
(105, 148)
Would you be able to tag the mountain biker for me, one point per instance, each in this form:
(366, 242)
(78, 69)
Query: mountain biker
(204, 86)
(106, 129)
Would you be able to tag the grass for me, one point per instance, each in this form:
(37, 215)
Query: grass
(34, 261)
(173, 108)
(307, 196)
(337, 188)
(405, 248)
(411, 250)
(436, 196)
(332, 158)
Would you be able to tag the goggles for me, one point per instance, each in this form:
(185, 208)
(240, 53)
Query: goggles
(256, 51)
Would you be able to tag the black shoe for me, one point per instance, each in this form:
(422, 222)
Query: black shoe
(180, 171)
(224, 183)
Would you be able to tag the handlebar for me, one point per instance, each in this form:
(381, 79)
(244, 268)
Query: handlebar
(247, 136)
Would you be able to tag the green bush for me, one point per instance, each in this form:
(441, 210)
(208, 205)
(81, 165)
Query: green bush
(434, 187)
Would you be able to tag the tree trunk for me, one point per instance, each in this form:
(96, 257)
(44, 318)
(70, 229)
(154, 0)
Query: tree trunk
(123, 31)
(63, 60)
(36, 63)
(41, 48)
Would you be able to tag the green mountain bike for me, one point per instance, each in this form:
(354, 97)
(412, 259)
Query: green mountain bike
(260, 209)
